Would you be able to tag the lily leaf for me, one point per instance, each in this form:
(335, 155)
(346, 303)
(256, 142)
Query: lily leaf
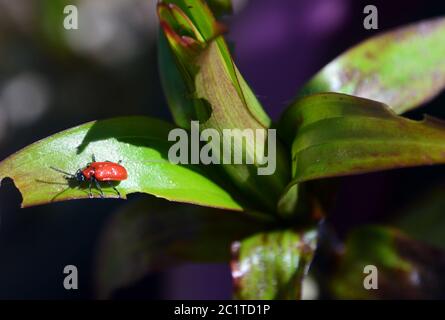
(337, 135)
(151, 235)
(199, 14)
(403, 68)
(272, 265)
(178, 97)
(222, 99)
(229, 112)
(139, 142)
(190, 28)
(405, 268)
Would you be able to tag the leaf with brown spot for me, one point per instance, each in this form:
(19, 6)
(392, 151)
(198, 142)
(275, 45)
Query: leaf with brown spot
(272, 265)
(337, 135)
(403, 68)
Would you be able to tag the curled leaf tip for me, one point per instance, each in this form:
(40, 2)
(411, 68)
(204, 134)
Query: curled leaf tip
(176, 18)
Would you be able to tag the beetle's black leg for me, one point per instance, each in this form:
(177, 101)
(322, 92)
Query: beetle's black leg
(98, 187)
(90, 194)
(115, 189)
(93, 157)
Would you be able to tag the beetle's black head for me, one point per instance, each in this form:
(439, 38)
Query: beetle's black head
(79, 176)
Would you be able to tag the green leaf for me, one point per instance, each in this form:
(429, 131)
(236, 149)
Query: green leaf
(406, 269)
(141, 143)
(200, 16)
(206, 31)
(272, 265)
(213, 84)
(221, 98)
(337, 135)
(190, 27)
(289, 201)
(179, 100)
(150, 235)
(403, 68)
(301, 204)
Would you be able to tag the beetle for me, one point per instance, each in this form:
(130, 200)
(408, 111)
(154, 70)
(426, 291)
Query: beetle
(95, 172)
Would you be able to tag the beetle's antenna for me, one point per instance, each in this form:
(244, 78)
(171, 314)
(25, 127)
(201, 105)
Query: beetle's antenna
(64, 172)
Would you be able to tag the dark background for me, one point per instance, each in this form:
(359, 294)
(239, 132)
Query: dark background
(51, 81)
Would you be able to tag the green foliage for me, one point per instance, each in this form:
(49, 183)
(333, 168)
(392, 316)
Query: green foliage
(217, 95)
(403, 68)
(141, 143)
(178, 97)
(326, 135)
(272, 265)
(337, 134)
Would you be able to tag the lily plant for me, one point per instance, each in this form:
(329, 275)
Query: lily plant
(346, 120)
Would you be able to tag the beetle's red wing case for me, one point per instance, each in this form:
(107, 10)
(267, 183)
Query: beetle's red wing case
(105, 171)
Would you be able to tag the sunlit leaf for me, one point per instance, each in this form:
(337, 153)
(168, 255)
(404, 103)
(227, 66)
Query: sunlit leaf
(406, 269)
(139, 142)
(228, 111)
(403, 68)
(272, 265)
(199, 14)
(190, 27)
(151, 235)
(221, 97)
(337, 135)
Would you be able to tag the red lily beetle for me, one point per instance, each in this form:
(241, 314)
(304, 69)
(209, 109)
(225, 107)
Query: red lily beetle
(96, 172)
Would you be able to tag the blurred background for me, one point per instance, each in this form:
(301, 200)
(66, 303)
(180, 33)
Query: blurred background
(52, 79)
